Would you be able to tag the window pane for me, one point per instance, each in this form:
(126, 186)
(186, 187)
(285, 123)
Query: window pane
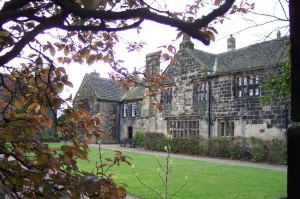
(222, 128)
(245, 93)
(250, 92)
(232, 129)
(251, 80)
(240, 92)
(245, 81)
(240, 81)
(257, 91)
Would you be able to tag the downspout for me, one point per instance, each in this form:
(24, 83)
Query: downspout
(214, 69)
(119, 115)
(209, 109)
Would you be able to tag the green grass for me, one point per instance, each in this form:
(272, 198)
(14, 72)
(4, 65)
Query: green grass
(205, 180)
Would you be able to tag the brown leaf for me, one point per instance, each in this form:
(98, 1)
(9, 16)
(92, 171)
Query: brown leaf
(52, 51)
(89, 139)
(217, 2)
(48, 122)
(244, 10)
(33, 107)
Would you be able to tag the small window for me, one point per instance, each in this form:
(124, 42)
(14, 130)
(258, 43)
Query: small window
(125, 110)
(201, 91)
(247, 86)
(226, 128)
(133, 109)
(167, 96)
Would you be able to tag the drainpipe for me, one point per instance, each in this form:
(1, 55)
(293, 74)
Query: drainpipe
(209, 109)
(119, 115)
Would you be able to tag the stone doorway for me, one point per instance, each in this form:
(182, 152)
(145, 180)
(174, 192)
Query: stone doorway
(130, 132)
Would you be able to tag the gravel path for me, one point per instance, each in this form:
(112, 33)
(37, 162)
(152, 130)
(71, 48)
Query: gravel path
(188, 157)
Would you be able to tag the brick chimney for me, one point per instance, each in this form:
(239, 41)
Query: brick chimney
(153, 63)
(231, 43)
(186, 42)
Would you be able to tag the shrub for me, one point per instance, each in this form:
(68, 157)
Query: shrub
(185, 145)
(155, 141)
(252, 149)
(259, 150)
(139, 138)
(219, 147)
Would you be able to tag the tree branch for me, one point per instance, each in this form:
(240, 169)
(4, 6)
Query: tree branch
(205, 20)
(18, 47)
(99, 28)
(193, 29)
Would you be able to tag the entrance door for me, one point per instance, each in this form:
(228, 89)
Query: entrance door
(130, 132)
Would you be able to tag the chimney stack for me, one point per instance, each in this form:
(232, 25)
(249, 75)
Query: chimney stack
(278, 34)
(186, 42)
(153, 63)
(231, 43)
(95, 73)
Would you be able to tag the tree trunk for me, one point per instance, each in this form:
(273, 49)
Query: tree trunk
(293, 188)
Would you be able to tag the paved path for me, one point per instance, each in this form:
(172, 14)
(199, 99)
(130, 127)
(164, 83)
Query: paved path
(188, 157)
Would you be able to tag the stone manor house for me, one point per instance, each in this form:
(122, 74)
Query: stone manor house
(206, 95)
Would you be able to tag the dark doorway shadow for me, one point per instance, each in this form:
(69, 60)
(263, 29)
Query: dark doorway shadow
(130, 132)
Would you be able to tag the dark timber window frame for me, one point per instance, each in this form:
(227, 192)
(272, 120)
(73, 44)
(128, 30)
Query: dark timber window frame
(184, 128)
(226, 128)
(201, 91)
(125, 110)
(167, 95)
(247, 86)
(133, 109)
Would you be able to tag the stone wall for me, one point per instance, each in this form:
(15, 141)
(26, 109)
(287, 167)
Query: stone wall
(250, 116)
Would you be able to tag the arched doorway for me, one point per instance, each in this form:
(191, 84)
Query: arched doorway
(130, 132)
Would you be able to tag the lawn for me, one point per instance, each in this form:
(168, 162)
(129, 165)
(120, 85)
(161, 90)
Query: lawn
(205, 180)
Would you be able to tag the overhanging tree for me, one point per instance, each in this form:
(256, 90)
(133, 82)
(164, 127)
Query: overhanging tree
(36, 37)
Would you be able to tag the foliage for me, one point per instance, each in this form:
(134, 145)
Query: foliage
(36, 38)
(139, 138)
(279, 85)
(155, 141)
(251, 149)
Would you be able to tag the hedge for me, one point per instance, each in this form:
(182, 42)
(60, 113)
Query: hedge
(239, 148)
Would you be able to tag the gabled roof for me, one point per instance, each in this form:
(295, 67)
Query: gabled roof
(135, 93)
(265, 54)
(110, 90)
(104, 88)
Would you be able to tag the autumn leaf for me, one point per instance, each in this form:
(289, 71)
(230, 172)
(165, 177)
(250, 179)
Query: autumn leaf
(48, 122)
(244, 10)
(89, 139)
(91, 59)
(52, 51)
(33, 107)
(217, 2)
